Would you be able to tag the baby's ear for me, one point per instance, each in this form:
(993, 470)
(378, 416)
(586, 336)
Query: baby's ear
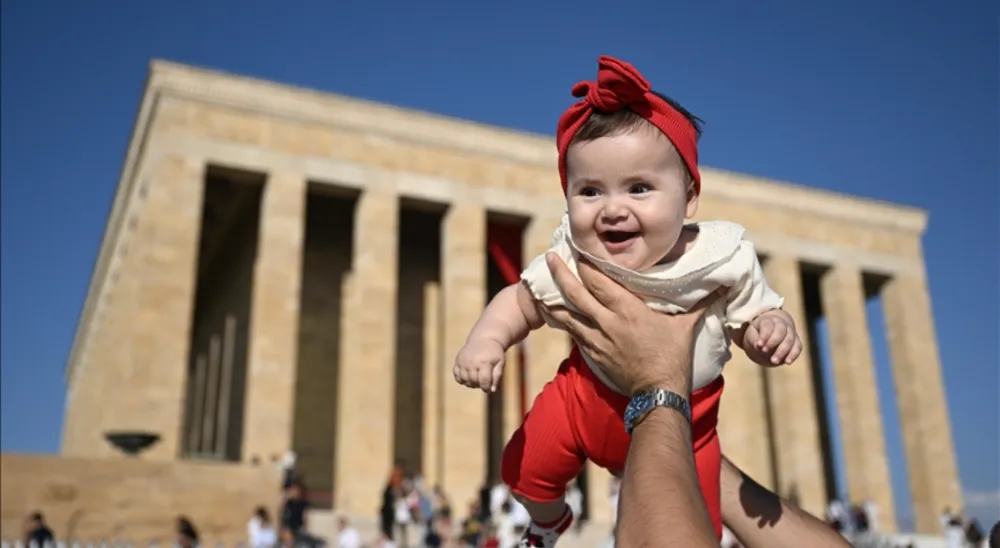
(692, 201)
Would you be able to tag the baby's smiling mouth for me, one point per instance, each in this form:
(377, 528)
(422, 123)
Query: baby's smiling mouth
(617, 236)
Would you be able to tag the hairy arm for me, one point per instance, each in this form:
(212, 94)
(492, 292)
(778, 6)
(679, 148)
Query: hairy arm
(510, 316)
(660, 497)
(762, 519)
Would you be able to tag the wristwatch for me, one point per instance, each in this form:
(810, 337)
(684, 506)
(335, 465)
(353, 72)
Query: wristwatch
(642, 403)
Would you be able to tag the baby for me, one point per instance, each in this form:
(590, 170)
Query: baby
(628, 159)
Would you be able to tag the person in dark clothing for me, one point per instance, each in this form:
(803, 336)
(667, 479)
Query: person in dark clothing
(994, 541)
(187, 535)
(293, 513)
(393, 489)
(387, 513)
(860, 519)
(36, 531)
(485, 512)
(974, 533)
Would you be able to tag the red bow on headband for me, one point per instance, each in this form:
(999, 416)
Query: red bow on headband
(620, 85)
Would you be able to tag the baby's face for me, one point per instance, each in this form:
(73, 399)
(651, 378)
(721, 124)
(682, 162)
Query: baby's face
(628, 196)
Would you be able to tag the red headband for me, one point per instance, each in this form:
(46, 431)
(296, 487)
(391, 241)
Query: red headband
(620, 85)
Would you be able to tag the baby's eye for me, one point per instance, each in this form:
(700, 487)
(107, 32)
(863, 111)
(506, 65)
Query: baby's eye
(589, 191)
(640, 188)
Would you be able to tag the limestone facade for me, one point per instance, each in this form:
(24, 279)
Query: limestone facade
(332, 358)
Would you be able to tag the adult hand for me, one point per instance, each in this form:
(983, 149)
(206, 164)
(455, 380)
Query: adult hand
(635, 346)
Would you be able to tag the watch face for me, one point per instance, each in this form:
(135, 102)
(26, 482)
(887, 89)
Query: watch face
(638, 404)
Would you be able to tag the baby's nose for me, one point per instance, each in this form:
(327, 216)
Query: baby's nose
(613, 209)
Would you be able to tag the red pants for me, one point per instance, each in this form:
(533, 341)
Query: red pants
(577, 417)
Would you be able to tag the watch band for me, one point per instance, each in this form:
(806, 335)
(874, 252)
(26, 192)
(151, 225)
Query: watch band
(644, 402)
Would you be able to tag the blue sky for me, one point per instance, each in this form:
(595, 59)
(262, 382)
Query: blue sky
(890, 100)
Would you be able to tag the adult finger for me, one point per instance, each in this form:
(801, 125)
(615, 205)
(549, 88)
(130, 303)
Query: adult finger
(696, 312)
(572, 289)
(703, 305)
(578, 326)
(608, 292)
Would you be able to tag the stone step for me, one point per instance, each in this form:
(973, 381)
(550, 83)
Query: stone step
(323, 524)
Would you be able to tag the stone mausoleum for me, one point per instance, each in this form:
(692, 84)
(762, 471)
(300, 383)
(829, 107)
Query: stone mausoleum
(285, 269)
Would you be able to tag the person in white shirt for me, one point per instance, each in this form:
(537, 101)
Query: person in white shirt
(347, 536)
(519, 516)
(955, 534)
(837, 515)
(574, 500)
(871, 512)
(944, 519)
(498, 495)
(260, 531)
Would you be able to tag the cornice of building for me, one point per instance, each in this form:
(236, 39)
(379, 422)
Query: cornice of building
(501, 143)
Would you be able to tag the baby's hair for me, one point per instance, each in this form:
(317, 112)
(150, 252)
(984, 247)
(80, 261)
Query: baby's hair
(625, 121)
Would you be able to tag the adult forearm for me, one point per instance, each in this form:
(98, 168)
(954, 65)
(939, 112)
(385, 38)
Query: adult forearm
(661, 503)
(762, 519)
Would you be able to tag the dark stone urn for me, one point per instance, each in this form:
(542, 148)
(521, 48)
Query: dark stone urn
(131, 443)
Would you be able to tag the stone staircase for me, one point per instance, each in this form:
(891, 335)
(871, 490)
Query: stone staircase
(593, 535)
(323, 524)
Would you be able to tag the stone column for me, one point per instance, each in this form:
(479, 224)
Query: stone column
(743, 419)
(799, 453)
(861, 433)
(366, 404)
(546, 348)
(155, 352)
(511, 394)
(920, 394)
(274, 319)
(463, 281)
(435, 375)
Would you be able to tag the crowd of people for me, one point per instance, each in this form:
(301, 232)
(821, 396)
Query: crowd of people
(964, 532)
(494, 519)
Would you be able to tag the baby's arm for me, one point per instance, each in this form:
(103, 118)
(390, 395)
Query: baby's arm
(508, 319)
(756, 321)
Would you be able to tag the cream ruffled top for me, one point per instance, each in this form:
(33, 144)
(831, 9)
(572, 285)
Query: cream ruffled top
(719, 257)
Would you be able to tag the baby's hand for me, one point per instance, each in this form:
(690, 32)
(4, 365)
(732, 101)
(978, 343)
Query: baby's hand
(770, 339)
(479, 364)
